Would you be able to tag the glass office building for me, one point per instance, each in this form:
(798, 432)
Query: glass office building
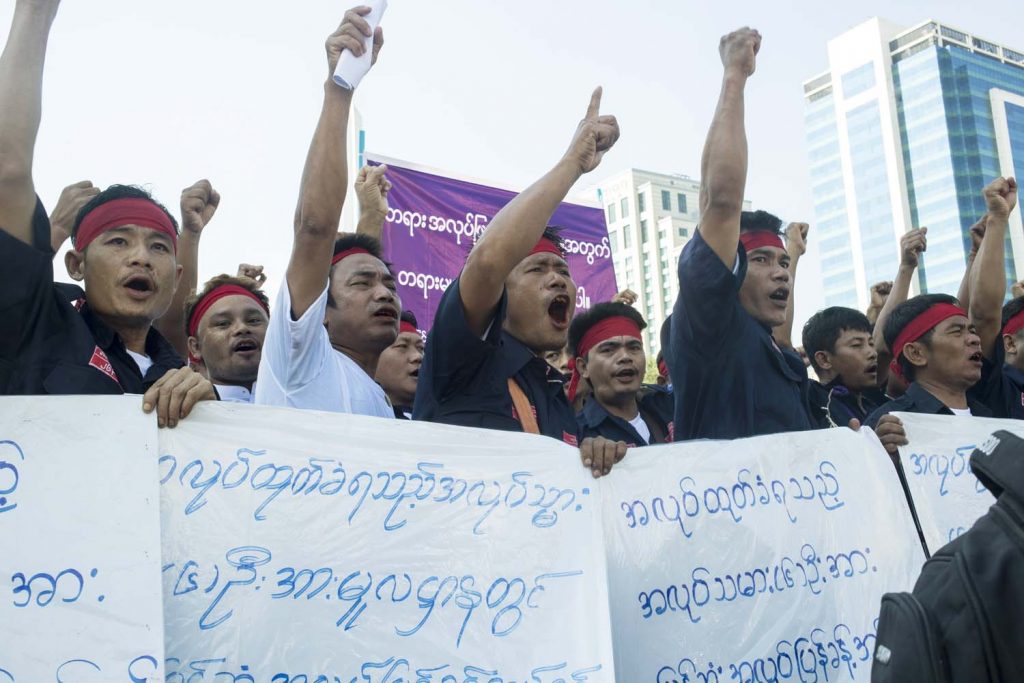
(904, 130)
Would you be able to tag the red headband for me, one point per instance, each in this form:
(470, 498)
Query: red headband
(663, 368)
(348, 252)
(760, 238)
(918, 327)
(615, 326)
(1014, 324)
(546, 246)
(215, 295)
(407, 327)
(121, 212)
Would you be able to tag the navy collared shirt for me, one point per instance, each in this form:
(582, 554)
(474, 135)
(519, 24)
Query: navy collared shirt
(656, 407)
(729, 377)
(47, 345)
(464, 379)
(1003, 390)
(917, 399)
(835, 401)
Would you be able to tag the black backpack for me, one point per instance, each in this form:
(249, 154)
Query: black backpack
(965, 619)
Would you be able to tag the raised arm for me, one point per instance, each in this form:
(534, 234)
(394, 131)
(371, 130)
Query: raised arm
(372, 187)
(988, 276)
(912, 244)
(515, 230)
(199, 203)
(21, 85)
(723, 166)
(879, 294)
(325, 176)
(796, 246)
(963, 294)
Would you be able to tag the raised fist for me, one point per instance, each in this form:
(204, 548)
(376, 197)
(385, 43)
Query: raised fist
(594, 136)
(1001, 197)
(796, 238)
(72, 199)
(977, 233)
(198, 204)
(739, 50)
(254, 273)
(880, 293)
(351, 36)
(912, 244)
(372, 187)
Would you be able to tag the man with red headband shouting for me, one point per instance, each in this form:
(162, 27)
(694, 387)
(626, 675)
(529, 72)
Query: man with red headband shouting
(226, 323)
(513, 302)
(398, 370)
(342, 281)
(608, 354)
(730, 378)
(124, 251)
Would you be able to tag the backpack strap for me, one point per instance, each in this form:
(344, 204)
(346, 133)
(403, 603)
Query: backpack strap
(523, 408)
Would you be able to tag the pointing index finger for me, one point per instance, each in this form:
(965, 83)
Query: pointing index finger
(594, 107)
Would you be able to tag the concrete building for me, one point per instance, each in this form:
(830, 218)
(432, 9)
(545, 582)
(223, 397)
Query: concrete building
(650, 218)
(904, 130)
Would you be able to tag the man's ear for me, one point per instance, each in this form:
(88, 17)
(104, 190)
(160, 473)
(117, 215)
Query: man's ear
(823, 359)
(178, 270)
(193, 348)
(916, 353)
(581, 367)
(74, 261)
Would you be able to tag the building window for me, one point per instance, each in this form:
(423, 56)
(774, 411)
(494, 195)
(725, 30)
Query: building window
(643, 232)
(629, 262)
(683, 232)
(681, 200)
(613, 237)
(625, 207)
(858, 80)
(611, 213)
(641, 202)
(666, 200)
(627, 238)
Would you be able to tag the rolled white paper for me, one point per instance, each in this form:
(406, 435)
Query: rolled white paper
(351, 69)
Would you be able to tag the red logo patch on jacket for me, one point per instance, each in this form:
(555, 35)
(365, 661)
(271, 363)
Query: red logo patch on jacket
(569, 439)
(100, 361)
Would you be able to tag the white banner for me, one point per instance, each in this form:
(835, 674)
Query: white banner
(755, 560)
(947, 496)
(304, 547)
(79, 541)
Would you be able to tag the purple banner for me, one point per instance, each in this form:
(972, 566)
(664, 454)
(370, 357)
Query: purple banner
(434, 221)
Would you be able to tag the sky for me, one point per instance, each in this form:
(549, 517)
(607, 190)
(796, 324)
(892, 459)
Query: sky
(162, 94)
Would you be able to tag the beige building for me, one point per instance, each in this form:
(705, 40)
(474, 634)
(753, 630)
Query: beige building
(650, 217)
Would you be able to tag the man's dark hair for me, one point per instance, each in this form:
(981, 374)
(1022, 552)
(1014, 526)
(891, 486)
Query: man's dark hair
(825, 327)
(902, 315)
(355, 240)
(117, 192)
(554, 233)
(409, 317)
(608, 309)
(760, 221)
(213, 283)
(1012, 308)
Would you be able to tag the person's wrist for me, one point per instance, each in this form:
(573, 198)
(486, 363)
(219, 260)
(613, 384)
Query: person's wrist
(570, 166)
(735, 74)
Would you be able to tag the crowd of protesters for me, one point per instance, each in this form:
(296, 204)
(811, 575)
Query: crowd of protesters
(506, 349)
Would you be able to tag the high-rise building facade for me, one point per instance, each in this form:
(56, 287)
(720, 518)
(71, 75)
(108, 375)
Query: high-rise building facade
(650, 218)
(904, 130)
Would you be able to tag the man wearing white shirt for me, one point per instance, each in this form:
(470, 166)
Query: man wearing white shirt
(341, 282)
(226, 324)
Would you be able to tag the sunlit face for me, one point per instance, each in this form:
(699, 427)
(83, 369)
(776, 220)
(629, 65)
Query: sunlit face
(854, 359)
(765, 291)
(615, 368)
(559, 359)
(952, 356)
(398, 369)
(130, 274)
(229, 340)
(366, 307)
(541, 302)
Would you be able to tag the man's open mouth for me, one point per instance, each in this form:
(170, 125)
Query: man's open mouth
(246, 345)
(386, 312)
(139, 286)
(558, 310)
(780, 294)
(626, 374)
(976, 357)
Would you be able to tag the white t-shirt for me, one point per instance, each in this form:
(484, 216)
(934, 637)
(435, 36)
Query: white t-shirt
(300, 369)
(143, 361)
(641, 428)
(961, 412)
(234, 394)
